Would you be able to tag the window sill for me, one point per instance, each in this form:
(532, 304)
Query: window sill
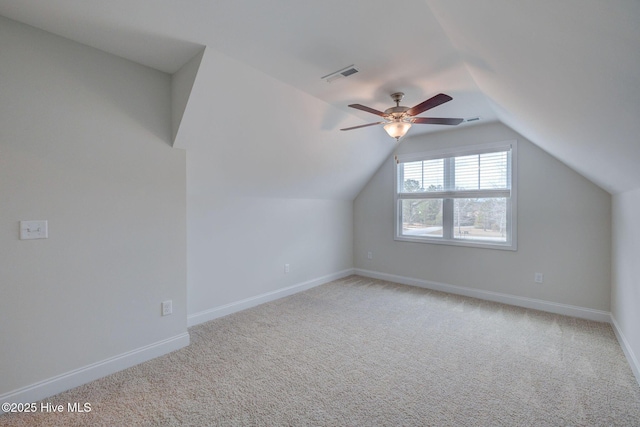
(469, 244)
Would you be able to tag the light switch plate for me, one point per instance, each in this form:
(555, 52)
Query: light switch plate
(34, 230)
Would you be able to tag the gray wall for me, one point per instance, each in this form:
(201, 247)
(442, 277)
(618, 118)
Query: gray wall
(564, 230)
(238, 245)
(84, 144)
(625, 289)
(262, 190)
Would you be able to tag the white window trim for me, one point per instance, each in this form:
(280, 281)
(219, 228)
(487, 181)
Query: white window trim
(511, 245)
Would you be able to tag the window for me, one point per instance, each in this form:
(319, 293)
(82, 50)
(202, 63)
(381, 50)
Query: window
(464, 196)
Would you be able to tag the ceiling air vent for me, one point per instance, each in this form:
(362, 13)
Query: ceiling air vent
(345, 72)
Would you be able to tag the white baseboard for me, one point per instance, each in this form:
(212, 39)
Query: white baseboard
(536, 304)
(223, 310)
(77, 377)
(626, 348)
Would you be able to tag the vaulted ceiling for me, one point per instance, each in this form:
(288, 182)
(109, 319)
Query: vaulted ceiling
(564, 74)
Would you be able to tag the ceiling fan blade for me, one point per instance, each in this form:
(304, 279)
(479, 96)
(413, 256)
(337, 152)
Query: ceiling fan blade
(367, 109)
(363, 126)
(430, 103)
(436, 121)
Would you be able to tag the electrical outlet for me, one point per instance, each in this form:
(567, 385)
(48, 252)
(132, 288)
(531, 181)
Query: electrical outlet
(167, 307)
(287, 268)
(538, 277)
(369, 255)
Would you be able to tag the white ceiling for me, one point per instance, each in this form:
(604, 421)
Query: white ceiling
(562, 73)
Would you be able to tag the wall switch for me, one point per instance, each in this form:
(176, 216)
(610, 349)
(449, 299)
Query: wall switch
(537, 277)
(287, 268)
(33, 230)
(167, 307)
(369, 255)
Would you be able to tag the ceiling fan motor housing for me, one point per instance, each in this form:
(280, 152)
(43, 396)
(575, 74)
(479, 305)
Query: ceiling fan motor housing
(398, 112)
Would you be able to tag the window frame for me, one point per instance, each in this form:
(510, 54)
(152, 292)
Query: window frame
(447, 203)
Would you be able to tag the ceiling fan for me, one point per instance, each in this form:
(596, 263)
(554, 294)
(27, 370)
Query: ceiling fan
(398, 119)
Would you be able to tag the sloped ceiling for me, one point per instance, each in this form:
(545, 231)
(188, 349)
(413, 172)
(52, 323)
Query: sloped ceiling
(563, 74)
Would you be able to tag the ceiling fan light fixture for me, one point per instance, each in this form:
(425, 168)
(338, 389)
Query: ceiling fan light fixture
(397, 129)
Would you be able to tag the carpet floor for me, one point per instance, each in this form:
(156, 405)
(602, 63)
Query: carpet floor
(364, 352)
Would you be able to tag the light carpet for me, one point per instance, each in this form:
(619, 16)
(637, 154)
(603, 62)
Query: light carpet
(363, 352)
